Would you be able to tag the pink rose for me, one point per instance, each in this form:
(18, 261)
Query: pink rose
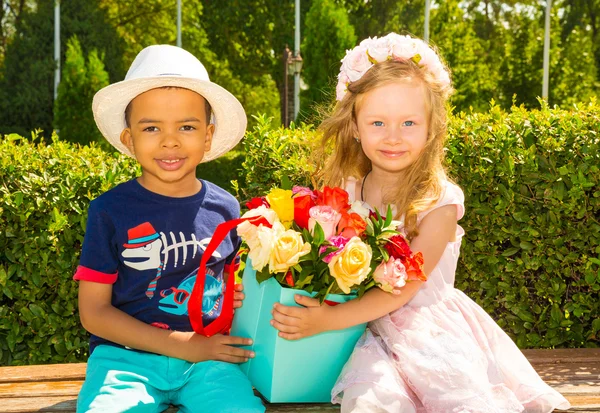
(342, 86)
(327, 217)
(405, 49)
(356, 63)
(339, 242)
(300, 191)
(391, 276)
(379, 50)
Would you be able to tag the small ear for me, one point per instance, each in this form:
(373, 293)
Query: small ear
(210, 130)
(127, 139)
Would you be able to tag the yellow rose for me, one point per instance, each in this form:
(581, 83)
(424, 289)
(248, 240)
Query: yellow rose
(281, 201)
(352, 265)
(288, 248)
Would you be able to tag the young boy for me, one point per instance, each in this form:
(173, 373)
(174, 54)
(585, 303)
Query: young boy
(144, 240)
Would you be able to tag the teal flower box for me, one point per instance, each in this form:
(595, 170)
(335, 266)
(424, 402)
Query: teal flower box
(300, 371)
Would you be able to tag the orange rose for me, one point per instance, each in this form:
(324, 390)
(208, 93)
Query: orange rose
(351, 225)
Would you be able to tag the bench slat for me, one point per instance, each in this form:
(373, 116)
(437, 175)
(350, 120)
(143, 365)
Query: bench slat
(40, 389)
(46, 372)
(563, 355)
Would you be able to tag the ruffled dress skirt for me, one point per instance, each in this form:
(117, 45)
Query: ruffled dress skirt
(449, 356)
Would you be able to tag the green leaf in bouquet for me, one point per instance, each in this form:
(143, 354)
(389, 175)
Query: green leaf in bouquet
(387, 234)
(306, 235)
(302, 282)
(263, 275)
(384, 255)
(370, 227)
(389, 216)
(319, 235)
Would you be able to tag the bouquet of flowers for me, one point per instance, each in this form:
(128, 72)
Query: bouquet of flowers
(318, 242)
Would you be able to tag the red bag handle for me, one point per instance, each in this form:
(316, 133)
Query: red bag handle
(222, 324)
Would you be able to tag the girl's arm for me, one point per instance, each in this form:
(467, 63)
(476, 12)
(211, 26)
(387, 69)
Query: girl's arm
(101, 318)
(435, 231)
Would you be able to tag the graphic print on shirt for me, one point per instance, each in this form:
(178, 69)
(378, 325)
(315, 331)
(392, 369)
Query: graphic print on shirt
(174, 299)
(146, 249)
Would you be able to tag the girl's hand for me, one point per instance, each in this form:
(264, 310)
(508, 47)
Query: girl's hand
(238, 295)
(295, 323)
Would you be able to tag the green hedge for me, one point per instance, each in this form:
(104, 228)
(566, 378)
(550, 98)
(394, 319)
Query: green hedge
(44, 194)
(531, 256)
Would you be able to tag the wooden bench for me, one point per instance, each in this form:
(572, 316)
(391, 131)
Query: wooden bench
(53, 388)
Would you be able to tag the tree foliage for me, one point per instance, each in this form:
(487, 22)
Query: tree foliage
(27, 83)
(73, 116)
(328, 34)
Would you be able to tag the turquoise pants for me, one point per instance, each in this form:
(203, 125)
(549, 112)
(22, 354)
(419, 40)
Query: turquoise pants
(120, 380)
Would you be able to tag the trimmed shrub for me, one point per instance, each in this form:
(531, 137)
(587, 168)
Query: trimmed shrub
(44, 194)
(531, 256)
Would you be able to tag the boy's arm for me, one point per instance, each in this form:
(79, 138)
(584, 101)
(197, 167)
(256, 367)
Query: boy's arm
(435, 231)
(101, 318)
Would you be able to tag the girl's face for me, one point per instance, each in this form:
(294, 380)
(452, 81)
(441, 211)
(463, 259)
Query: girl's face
(392, 125)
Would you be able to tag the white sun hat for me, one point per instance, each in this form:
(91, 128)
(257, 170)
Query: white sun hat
(164, 65)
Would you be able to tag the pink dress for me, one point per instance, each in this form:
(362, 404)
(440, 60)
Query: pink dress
(441, 352)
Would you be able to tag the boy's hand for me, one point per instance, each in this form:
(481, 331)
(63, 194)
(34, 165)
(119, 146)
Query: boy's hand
(218, 347)
(238, 295)
(295, 323)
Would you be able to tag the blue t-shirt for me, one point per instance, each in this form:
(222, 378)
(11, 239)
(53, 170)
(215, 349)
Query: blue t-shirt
(149, 247)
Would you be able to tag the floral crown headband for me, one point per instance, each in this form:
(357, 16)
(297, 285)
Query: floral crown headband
(391, 47)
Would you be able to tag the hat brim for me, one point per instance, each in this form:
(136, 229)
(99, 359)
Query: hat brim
(229, 116)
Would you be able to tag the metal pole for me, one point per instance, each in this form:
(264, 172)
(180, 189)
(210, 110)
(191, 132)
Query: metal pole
(286, 95)
(546, 51)
(56, 47)
(296, 52)
(178, 23)
(426, 28)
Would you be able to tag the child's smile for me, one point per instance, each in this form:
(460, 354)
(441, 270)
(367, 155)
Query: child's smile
(169, 136)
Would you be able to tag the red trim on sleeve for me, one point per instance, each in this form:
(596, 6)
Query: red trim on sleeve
(87, 274)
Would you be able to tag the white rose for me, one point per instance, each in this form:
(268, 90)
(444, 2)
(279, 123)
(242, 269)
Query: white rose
(379, 50)
(260, 251)
(361, 208)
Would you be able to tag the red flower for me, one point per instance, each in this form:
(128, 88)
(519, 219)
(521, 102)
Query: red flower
(289, 279)
(351, 225)
(373, 214)
(398, 247)
(414, 267)
(302, 206)
(335, 198)
(256, 202)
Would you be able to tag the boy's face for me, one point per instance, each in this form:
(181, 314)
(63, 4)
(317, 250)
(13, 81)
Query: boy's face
(169, 135)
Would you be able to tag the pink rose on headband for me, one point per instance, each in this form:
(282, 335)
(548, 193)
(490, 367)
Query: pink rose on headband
(342, 86)
(378, 49)
(405, 49)
(356, 63)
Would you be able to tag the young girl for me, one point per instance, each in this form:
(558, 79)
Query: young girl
(431, 348)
